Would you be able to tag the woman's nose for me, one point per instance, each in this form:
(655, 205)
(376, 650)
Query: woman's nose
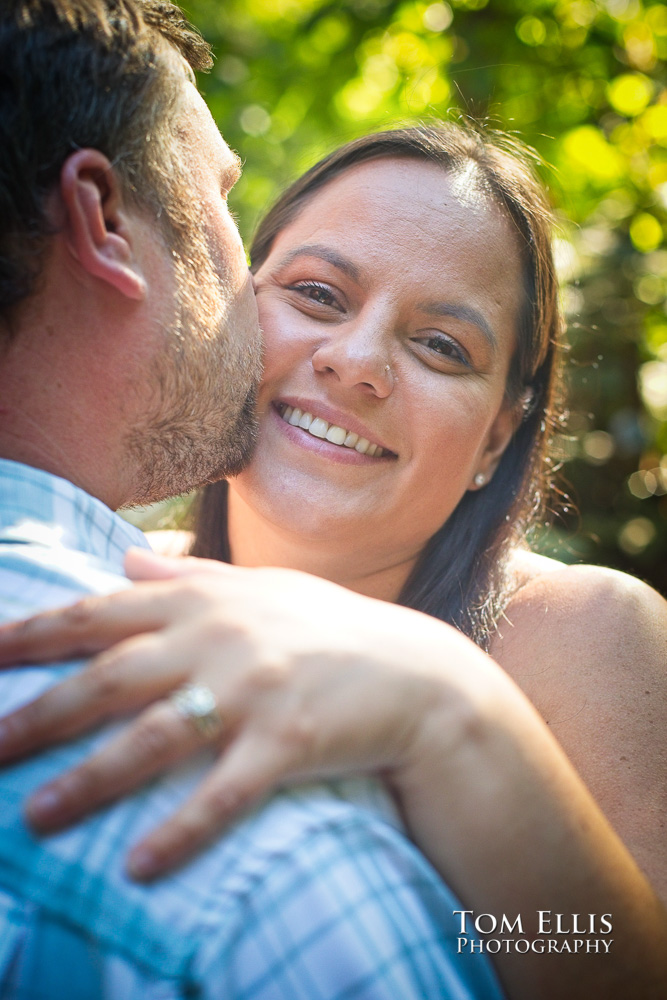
(357, 354)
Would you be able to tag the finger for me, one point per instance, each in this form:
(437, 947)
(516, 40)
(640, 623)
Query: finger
(160, 737)
(128, 677)
(246, 771)
(52, 634)
(87, 627)
(141, 564)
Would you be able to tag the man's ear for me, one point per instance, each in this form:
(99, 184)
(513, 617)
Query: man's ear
(98, 227)
(500, 434)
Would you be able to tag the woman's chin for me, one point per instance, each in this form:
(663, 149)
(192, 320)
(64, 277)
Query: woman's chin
(307, 510)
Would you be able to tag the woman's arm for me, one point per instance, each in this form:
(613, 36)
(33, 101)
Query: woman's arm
(588, 646)
(312, 679)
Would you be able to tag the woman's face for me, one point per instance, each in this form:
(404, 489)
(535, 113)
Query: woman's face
(389, 309)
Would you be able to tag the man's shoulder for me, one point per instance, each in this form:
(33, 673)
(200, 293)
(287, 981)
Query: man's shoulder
(326, 896)
(297, 862)
(317, 892)
(55, 535)
(36, 577)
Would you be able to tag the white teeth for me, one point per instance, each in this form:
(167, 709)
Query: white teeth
(335, 434)
(320, 428)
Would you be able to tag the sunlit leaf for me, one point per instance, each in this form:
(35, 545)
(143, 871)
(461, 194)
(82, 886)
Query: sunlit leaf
(630, 93)
(646, 232)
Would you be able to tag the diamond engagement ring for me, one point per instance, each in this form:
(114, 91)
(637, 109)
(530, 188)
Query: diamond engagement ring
(198, 704)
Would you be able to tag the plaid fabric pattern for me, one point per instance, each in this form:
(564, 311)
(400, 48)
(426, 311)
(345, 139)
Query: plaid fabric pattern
(316, 895)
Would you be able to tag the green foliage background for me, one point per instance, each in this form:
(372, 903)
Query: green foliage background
(583, 81)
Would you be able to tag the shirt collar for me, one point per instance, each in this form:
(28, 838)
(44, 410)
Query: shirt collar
(38, 508)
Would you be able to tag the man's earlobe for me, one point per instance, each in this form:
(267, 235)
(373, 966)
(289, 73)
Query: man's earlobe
(97, 227)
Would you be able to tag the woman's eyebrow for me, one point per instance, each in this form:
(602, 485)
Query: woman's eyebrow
(324, 253)
(467, 313)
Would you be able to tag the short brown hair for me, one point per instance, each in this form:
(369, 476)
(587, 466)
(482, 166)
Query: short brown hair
(103, 74)
(461, 575)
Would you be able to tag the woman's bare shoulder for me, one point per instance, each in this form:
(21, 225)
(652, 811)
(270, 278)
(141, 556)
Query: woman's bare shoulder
(588, 646)
(581, 617)
(170, 543)
(576, 599)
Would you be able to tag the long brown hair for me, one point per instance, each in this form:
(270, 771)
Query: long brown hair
(461, 576)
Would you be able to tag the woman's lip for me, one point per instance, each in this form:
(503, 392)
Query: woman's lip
(322, 447)
(333, 416)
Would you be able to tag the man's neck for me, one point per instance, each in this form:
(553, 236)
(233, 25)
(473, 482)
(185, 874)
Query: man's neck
(37, 453)
(53, 416)
(58, 449)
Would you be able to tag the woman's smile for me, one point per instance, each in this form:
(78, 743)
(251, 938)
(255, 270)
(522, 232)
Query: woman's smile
(348, 440)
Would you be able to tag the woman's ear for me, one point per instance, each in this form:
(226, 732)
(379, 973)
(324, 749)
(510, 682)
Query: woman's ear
(500, 434)
(98, 228)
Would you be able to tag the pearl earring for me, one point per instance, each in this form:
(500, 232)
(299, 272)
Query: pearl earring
(480, 479)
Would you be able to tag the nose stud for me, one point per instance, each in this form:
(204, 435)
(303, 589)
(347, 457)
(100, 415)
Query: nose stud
(389, 376)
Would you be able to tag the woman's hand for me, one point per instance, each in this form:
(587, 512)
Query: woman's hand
(311, 679)
(302, 685)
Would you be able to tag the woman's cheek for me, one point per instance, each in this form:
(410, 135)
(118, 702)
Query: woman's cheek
(285, 337)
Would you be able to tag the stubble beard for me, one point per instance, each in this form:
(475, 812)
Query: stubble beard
(201, 424)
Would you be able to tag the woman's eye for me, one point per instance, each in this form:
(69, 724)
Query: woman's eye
(444, 347)
(315, 292)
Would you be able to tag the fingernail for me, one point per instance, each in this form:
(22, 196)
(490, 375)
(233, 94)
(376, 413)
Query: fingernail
(44, 806)
(142, 863)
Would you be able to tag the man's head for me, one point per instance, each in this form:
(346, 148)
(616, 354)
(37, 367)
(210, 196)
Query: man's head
(113, 183)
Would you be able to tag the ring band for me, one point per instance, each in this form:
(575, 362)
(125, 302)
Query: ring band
(198, 704)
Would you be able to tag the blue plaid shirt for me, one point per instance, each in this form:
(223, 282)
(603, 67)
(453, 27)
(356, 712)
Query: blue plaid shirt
(317, 895)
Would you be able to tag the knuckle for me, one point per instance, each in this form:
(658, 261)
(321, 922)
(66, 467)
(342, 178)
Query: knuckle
(299, 736)
(84, 783)
(149, 737)
(217, 632)
(29, 721)
(22, 638)
(15, 731)
(225, 800)
(80, 615)
(104, 678)
(23, 629)
(195, 589)
(266, 677)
